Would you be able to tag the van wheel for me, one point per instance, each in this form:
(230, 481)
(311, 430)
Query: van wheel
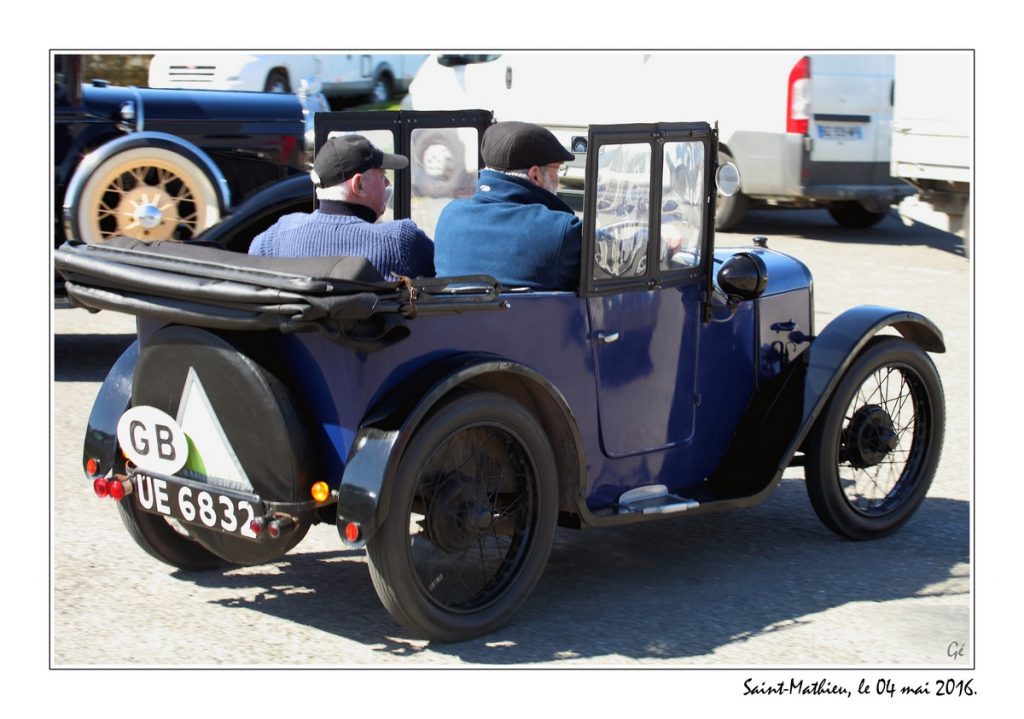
(471, 521)
(383, 89)
(854, 215)
(729, 211)
(277, 81)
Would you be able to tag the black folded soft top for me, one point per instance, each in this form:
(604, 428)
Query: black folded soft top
(207, 286)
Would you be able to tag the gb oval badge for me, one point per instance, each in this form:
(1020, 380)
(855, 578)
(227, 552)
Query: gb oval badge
(152, 440)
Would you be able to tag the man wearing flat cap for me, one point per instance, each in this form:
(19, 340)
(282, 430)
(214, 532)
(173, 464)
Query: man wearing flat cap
(353, 190)
(514, 227)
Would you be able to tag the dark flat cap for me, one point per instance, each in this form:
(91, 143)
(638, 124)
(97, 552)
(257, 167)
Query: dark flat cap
(342, 157)
(521, 145)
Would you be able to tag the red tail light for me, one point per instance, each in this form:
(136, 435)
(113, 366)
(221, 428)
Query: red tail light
(99, 486)
(352, 532)
(798, 99)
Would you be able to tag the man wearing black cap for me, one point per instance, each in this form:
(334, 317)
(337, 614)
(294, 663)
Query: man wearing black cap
(514, 228)
(353, 190)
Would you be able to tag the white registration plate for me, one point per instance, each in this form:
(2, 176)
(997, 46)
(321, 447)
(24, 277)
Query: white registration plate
(200, 507)
(840, 132)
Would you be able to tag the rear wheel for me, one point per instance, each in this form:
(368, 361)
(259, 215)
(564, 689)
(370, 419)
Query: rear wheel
(162, 541)
(471, 520)
(855, 215)
(873, 452)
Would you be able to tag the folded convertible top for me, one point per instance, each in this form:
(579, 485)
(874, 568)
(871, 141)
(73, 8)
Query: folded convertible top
(207, 286)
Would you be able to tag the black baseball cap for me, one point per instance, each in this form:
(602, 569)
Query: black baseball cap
(521, 145)
(342, 157)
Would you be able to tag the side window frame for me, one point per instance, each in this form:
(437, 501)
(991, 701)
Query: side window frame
(656, 135)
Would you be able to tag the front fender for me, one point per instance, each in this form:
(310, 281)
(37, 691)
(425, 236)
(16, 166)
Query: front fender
(390, 424)
(784, 409)
(114, 397)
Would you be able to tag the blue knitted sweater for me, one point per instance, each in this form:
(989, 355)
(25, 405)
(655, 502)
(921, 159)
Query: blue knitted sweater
(393, 248)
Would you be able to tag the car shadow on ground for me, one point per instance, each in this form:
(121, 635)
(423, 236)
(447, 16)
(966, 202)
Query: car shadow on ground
(86, 357)
(819, 225)
(672, 589)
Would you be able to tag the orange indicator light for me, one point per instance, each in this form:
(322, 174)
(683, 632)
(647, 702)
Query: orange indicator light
(320, 491)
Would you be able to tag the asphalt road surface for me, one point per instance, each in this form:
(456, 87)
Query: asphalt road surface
(764, 587)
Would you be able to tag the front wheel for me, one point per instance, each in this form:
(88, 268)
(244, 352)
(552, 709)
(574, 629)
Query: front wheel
(471, 520)
(874, 450)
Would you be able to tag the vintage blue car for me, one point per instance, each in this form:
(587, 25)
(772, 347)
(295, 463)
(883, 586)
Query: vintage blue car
(162, 164)
(450, 424)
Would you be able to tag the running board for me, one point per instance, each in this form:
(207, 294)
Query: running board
(654, 499)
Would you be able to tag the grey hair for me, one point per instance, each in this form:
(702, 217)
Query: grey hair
(340, 192)
(522, 174)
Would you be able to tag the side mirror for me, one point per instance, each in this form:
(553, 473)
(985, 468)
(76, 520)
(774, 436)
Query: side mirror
(743, 276)
(727, 179)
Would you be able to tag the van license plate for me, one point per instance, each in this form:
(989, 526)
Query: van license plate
(196, 507)
(840, 132)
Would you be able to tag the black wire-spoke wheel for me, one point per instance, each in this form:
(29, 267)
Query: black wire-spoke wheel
(873, 452)
(470, 521)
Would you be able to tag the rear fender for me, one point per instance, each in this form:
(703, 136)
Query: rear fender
(112, 401)
(784, 409)
(387, 428)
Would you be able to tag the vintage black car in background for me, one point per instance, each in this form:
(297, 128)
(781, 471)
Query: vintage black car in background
(166, 164)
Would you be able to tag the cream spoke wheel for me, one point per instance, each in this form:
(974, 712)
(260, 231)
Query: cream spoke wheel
(147, 194)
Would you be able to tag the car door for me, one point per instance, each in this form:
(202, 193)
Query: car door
(647, 241)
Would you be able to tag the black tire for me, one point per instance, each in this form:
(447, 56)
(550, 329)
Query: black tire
(277, 81)
(479, 455)
(874, 450)
(729, 211)
(855, 216)
(161, 541)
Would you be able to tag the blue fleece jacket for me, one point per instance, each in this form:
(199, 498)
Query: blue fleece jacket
(520, 234)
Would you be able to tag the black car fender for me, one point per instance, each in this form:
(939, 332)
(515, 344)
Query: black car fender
(162, 140)
(260, 210)
(784, 409)
(392, 421)
(112, 401)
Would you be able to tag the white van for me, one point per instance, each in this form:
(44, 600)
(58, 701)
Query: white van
(932, 138)
(341, 75)
(804, 130)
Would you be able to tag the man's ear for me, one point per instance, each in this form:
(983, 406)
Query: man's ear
(357, 183)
